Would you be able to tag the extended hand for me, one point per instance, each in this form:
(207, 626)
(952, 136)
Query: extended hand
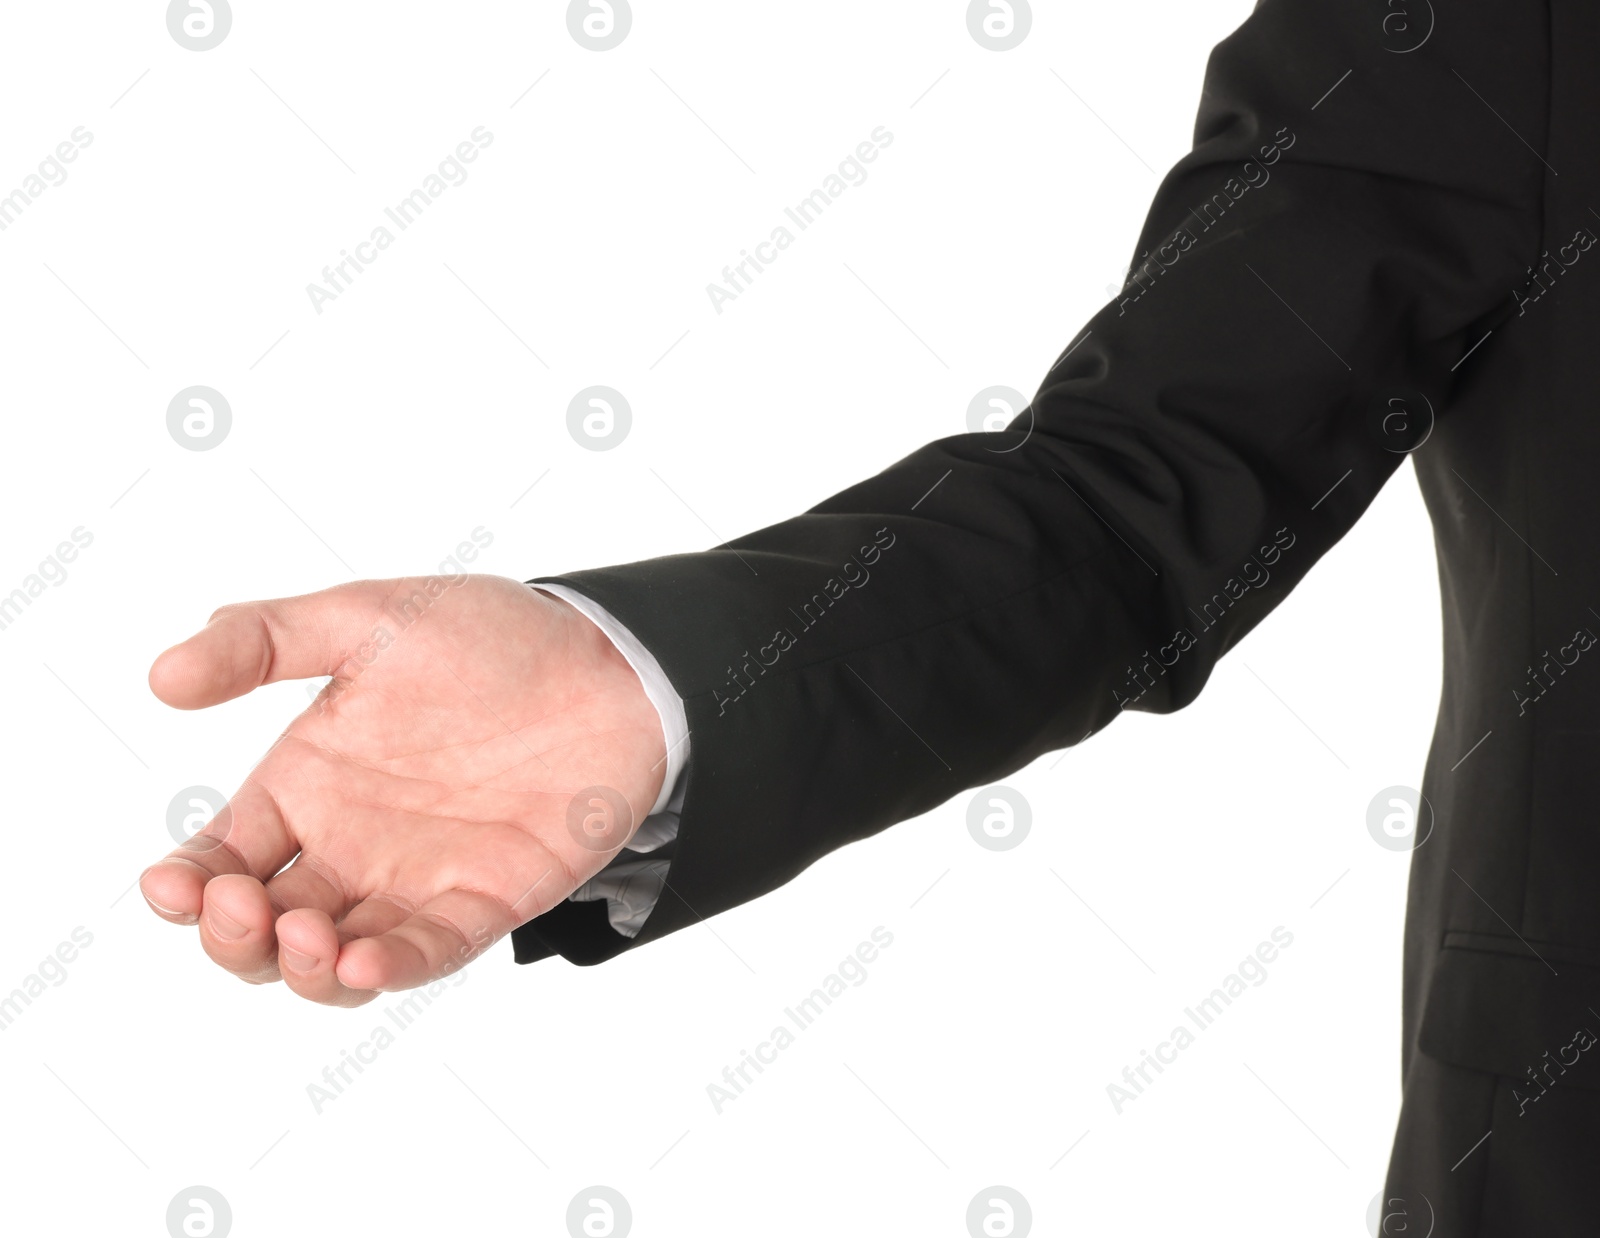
(425, 799)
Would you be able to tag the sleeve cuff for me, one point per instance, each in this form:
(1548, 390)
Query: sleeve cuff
(668, 704)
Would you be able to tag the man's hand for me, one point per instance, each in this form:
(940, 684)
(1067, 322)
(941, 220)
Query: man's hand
(426, 799)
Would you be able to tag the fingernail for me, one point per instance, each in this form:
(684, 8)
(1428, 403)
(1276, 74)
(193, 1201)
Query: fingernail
(183, 917)
(298, 961)
(224, 926)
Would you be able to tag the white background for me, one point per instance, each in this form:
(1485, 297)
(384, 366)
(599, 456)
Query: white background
(372, 438)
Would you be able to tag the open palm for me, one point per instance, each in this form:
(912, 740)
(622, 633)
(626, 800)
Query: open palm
(481, 750)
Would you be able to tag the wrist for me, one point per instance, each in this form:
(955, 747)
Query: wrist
(620, 707)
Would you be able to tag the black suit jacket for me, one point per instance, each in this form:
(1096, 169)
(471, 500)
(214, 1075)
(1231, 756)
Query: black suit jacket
(1380, 244)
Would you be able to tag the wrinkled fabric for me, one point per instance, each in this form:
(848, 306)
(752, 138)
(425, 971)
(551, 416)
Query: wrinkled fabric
(1379, 246)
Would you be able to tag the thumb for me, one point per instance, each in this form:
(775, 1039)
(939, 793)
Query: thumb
(249, 644)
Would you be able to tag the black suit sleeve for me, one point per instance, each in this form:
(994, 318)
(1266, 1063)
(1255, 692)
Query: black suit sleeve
(1351, 221)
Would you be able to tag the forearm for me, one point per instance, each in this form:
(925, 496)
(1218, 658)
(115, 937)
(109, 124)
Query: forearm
(1189, 456)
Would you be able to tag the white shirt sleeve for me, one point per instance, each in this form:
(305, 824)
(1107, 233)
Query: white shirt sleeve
(631, 885)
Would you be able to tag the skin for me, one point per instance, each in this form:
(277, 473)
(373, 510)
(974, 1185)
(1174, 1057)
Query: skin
(421, 807)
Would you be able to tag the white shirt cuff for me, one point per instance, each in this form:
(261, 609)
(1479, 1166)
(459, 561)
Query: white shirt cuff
(631, 887)
(669, 705)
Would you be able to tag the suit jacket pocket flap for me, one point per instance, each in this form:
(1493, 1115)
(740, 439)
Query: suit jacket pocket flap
(1522, 1009)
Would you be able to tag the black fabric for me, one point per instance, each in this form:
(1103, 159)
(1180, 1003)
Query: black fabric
(1517, 1007)
(1194, 451)
(583, 928)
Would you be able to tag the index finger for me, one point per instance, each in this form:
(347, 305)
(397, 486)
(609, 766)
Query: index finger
(249, 835)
